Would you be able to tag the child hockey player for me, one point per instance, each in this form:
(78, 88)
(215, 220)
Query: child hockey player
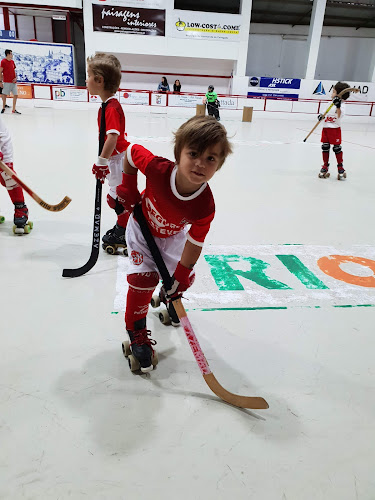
(176, 194)
(331, 133)
(21, 213)
(103, 79)
(212, 103)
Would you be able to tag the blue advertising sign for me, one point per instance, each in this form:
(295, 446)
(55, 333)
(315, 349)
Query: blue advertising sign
(277, 88)
(7, 35)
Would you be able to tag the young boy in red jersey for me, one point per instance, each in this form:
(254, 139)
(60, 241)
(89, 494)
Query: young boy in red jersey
(331, 133)
(103, 79)
(8, 81)
(176, 194)
(15, 191)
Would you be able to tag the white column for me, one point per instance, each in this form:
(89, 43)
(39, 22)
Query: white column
(240, 66)
(313, 41)
(372, 66)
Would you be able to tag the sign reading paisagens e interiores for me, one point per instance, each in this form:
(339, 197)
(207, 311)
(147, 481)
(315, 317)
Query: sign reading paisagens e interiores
(132, 21)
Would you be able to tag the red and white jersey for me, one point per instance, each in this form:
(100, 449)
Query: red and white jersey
(331, 119)
(166, 211)
(6, 146)
(115, 124)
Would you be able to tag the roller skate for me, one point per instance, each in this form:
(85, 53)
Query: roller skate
(341, 174)
(113, 239)
(138, 349)
(2, 219)
(21, 223)
(168, 317)
(324, 174)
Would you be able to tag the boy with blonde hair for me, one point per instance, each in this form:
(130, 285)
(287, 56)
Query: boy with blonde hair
(103, 79)
(177, 194)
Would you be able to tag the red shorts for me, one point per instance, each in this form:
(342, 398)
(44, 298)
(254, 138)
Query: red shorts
(331, 135)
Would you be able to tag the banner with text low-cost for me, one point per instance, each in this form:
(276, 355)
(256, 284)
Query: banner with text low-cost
(205, 25)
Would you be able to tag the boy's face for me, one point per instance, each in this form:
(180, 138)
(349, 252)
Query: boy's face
(195, 169)
(94, 87)
(333, 93)
(10, 56)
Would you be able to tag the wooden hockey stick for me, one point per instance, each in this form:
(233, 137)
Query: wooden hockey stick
(80, 271)
(52, 208)
(329, 107)
(256, 403)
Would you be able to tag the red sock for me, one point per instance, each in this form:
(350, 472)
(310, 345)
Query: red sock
(141, 288)
(123, 218)
(16, 195)
(339, 157)
(325, 158)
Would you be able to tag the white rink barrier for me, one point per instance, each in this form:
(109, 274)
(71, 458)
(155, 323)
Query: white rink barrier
(50, 95)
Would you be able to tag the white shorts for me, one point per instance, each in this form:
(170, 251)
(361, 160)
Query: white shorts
(114, 178)
(140, 258)
(9, 87)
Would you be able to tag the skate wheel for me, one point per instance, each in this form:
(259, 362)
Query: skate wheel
(155, 301)
(155, 359)
(27, 229)
(126, 348)
(18, 230)
(30, 224)
(125, 252)
(110, 250)
(2, 219)
(133, 363)
(164, 318)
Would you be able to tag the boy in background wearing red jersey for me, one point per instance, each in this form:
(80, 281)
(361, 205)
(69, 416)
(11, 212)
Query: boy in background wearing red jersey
(103, 79)
(8, 81)
(331, 133)
(177, 194)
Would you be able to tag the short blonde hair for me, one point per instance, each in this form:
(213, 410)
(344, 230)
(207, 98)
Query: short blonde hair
(199, 133)
(107, 66)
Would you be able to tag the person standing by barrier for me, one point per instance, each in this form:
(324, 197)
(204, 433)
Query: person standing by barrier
(163, 85)
(8, 80)
(177, 87)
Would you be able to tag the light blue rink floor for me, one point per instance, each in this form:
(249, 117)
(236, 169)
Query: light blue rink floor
(76, 423)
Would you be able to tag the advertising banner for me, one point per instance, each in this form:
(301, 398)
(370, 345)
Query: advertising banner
(128, 20)
(140, 4)
(140, 98)
(276, 88)
(39, 62)
(67, 94)
(185, 101)
(25, 91)
(205, 25)
(158, 99)
(322, 89)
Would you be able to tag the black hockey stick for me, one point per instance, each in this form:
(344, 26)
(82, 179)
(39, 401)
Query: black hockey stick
(74, 273)
(256, 403)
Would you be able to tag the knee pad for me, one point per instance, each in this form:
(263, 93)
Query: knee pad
(325, 147)
(6, 180)
(337, 149)
(143, 282)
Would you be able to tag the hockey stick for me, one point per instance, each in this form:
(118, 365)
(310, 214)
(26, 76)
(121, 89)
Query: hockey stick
(80, 271)
(255, 403)
(52, 208)
(329, 107)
